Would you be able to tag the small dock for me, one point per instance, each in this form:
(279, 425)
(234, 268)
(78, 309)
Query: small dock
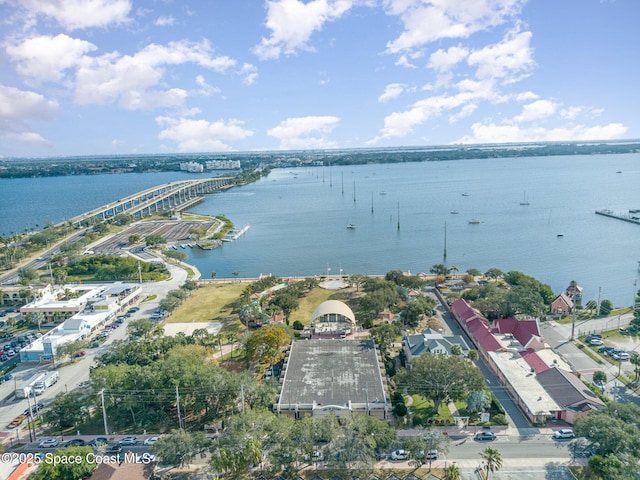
(235, 235)
(632, 217)
(241, 232)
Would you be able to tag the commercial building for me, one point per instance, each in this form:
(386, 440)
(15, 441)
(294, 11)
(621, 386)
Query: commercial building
(85, 308)
(539, 381)
(333, 376)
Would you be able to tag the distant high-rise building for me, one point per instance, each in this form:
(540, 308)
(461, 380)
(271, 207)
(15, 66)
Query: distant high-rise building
(222, 165)
(191, 167)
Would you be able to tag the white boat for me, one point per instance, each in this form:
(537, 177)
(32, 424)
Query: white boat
(474, 221)
(351, 226)
(454, 212)
(466, 194)
(524, 200)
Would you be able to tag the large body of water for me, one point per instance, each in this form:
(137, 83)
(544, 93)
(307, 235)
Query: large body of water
(299, 218)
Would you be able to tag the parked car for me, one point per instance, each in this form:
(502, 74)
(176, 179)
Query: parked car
(48, 443)
(75, 442)
(619, 355)
(595, 341)
(606, 349)
(113, 448)
(481, 436)
(81, 353)
(98, 441)
(431, 455)
(563, 433)
(150, 440)
(128, 441)
(399, 454)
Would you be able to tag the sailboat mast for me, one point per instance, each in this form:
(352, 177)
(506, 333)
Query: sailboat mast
(371, 202)
(398, 215)
(354, 191)
(445, 240)
(342, 175)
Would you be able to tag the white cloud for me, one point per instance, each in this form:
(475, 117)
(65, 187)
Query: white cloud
(205, 90)
(464, 112)
(292, 22)
(45, 58)
(492, 133)
(428, 20)
(165, 21)
(113, 77)
(400, 124)
(201, 135)
(249, 72)
(79, 14)
(509, 60)
(296, 133)
(537, 110)
(391, 92)
(18, 108)
(443, 61)
(148, 100)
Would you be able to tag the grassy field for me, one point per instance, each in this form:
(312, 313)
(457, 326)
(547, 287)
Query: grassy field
(212, 303)
(209, 303)
(309, 303)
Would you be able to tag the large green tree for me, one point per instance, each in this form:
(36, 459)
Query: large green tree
(180, 447)
(439, 377)
(67, 471)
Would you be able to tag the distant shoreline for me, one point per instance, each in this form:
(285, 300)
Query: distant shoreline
(147, 163)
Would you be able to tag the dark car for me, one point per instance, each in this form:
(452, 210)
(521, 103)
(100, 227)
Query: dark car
(489, 436)
(113, 448)
(75, 442)
(98, 441)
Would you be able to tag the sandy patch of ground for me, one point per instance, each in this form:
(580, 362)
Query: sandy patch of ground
(171, 329)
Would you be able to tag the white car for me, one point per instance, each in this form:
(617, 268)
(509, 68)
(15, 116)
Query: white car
(150, 440)
(399, 455)
(48, 443)
(563, 433)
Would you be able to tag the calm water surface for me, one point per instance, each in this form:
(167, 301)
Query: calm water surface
(299, 216)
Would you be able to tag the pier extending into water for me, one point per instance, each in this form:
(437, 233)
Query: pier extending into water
(632, 217)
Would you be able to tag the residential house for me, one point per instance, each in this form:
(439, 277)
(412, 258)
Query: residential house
(562, 305)
(432, 342)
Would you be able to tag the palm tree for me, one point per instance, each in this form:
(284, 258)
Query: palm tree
(452, 472)
(635, 361)
(491, 459)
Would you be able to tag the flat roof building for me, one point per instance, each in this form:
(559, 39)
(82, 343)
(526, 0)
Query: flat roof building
(325, 376)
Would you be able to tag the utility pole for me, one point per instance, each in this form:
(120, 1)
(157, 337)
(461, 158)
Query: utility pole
(178, 405)
(104, 412)
(30, 420)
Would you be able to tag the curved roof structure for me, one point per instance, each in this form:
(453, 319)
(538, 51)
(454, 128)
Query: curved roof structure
(333, 307)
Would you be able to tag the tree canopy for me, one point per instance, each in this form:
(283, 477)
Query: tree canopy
(438, 377)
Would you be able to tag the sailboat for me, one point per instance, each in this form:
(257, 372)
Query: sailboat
(524, 200)
(474, 221)
(466, 194)
(351, 226)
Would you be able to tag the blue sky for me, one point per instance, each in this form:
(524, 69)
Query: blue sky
(83, 77)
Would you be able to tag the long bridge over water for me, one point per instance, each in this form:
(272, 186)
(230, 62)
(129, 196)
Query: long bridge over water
(177, 195)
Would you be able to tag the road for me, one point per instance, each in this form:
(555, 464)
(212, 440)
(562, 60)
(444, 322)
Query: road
(558, 335)
(514, 415)
(76, 372)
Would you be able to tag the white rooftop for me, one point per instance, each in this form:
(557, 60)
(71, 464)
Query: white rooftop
(518, 373)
